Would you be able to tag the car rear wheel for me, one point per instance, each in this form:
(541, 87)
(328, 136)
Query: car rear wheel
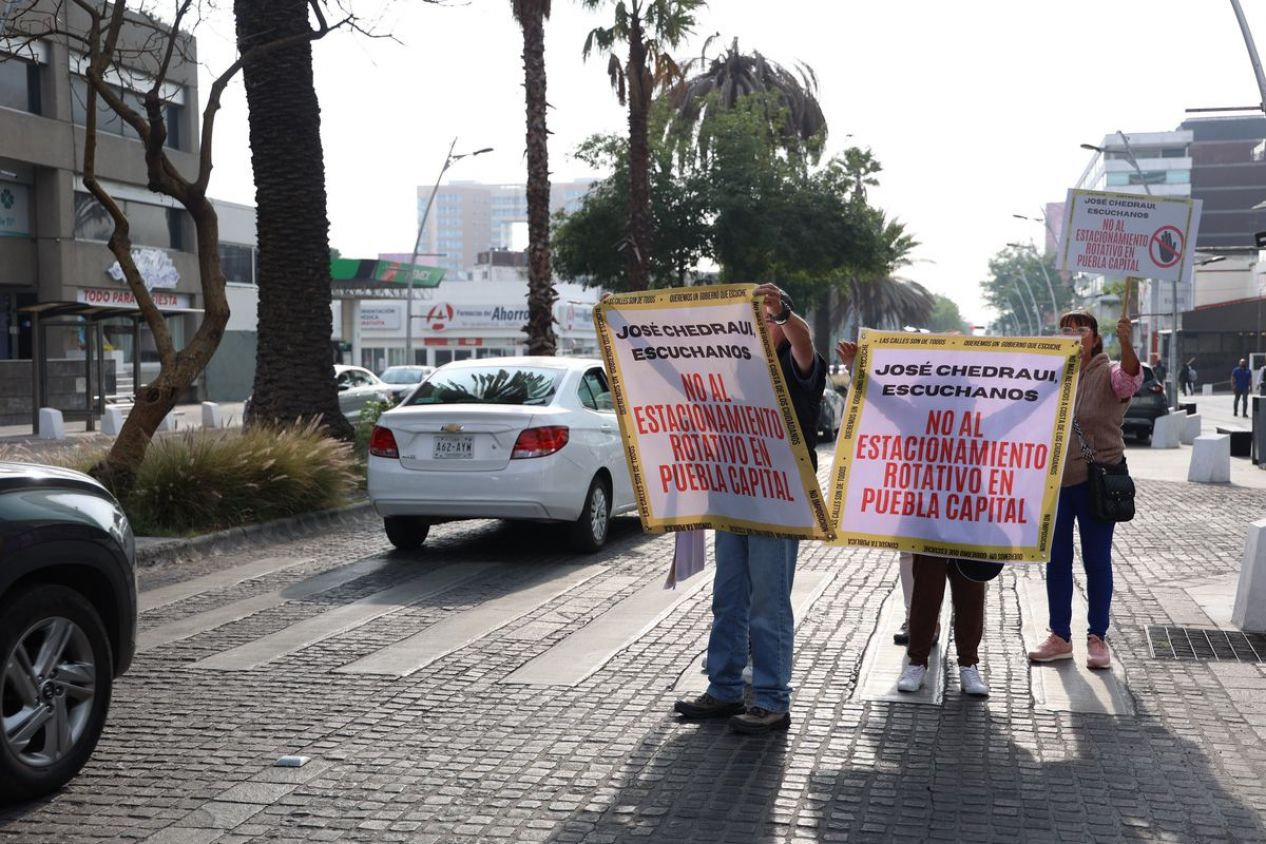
(56, 675)
(589, 532)
(406, 532)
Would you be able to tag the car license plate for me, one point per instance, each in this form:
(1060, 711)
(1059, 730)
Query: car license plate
(454, 448)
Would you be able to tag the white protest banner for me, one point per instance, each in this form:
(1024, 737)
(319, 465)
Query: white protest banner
(954, 446)
(1124, 234)
(709, 429)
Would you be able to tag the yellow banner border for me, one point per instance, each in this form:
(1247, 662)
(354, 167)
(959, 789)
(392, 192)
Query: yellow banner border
(845, 446)
(684, 297)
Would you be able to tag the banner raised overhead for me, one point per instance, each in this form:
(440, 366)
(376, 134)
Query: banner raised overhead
(1125, 234)
(954, 446)
(709, 429)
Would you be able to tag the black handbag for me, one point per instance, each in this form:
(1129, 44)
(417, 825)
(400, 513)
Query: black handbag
(1111, 487)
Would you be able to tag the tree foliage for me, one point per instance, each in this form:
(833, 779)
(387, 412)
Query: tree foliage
(946, 316)
(1026, 290)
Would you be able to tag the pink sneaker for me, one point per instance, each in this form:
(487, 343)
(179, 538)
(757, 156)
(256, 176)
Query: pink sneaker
(1052, 649)
(1097, 653)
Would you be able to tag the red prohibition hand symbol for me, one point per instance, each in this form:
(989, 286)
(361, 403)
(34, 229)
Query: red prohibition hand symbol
(1165, 248)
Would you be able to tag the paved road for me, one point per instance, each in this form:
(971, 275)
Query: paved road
(493, 688)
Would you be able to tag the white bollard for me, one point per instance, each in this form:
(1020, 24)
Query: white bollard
(211, 416)
(1206, 389)
(1250, 596)
(1165, 431)
(52, 425)
(1190, 428)
(1210, 460)
(112, 420)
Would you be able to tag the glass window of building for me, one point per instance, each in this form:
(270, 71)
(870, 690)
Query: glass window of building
(151, 225)
(19, 84)
(237, 263)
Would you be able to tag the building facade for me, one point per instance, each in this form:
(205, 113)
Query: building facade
(53, 233)
(476, 314)
(468, 218)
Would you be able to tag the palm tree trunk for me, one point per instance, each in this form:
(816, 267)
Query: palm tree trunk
(541, 293)
(294, 376)
(637, 255)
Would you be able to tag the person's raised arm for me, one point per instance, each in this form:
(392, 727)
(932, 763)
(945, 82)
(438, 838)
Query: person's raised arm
(795, 328)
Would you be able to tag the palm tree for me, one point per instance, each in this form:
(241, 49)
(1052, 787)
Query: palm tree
(294, 373)
(885, 300)
(789, 99)
(531, 15)
(650, 28)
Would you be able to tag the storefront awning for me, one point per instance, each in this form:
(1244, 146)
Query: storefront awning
(353, 278)
(93, 313)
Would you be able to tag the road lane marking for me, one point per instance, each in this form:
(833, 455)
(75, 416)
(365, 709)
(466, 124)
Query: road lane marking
(1067, 685)
(883, 661)
(460, 629)
(588, 649)
(344, 618)
(808, 587)
(184, 628)
(170, 594)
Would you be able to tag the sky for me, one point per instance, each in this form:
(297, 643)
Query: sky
(974, 110)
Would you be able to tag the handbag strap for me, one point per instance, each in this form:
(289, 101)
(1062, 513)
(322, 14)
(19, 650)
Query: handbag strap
(1086, 453)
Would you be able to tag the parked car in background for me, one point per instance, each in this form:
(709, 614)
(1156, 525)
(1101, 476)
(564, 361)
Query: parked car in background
(402, 379)
(531, 438)
(67, 622)
(1148, 404)
(831, 414)
(357, 387)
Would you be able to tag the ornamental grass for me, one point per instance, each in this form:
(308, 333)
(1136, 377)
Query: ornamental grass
(202, 481)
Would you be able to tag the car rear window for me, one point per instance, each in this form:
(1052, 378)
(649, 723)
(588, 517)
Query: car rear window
(489, 385)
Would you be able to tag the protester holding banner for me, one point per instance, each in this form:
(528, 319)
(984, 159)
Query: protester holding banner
(751, 597)
(1104, 390)
(924, 590)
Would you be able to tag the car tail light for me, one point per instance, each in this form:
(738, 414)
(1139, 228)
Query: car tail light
(539, 442)
(382, 443)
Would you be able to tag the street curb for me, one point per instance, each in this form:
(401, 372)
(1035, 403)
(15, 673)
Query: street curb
(154, 551)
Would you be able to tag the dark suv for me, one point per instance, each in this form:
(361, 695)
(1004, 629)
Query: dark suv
(67, 622)
(1148, 403)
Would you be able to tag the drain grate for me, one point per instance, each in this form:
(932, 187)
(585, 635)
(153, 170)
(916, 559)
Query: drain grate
(1206, 644)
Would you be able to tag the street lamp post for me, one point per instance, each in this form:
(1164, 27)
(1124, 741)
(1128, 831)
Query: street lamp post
(1050, 291)
(449, 160)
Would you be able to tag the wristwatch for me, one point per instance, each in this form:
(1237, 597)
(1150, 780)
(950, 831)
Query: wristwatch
(786, 312)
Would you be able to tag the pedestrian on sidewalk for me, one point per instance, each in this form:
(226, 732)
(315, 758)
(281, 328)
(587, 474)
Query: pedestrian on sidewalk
(1159, 370)
(751, 592)
(1104, 390)
(1241, 383)
(968, 598)
(905, 569)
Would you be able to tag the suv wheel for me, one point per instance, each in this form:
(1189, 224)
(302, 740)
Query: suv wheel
(589, 532)
(56, 675)
(406, 532)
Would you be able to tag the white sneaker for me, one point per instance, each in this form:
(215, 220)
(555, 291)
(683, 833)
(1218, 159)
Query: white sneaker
(912, 678)
(971, 682)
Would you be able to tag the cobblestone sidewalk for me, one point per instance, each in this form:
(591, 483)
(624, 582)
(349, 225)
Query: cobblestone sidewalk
(452, 753)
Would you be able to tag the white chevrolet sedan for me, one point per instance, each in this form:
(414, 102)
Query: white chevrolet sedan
(531, 438)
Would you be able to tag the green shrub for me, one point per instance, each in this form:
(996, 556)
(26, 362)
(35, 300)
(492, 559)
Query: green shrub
(369, 416)
(202, 481)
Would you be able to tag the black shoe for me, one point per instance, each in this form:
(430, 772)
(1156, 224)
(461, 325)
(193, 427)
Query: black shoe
(902, 636)
(706, 706)
(756, 720)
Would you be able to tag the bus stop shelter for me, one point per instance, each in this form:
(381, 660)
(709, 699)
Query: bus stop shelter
(89, 318)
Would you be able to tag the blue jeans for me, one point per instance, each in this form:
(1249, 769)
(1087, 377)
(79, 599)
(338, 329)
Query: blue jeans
(1096, 556)
(751, 602)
